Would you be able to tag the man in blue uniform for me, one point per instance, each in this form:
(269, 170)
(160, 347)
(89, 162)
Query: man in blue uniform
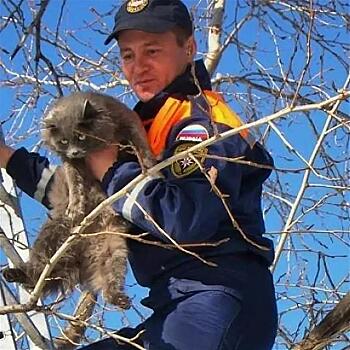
(196, 306)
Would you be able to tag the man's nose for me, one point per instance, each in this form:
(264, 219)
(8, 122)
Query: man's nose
(140, 64)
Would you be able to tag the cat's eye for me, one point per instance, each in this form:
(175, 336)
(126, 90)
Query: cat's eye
(81, 137)
(64, 141)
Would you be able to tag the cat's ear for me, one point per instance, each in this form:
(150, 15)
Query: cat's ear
(49, 122)
(89, 112)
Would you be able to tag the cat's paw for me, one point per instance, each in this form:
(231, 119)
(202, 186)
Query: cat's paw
(14, 275)
(119, 299)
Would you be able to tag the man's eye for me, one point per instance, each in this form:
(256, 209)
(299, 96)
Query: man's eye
(126, 57)
(153, 52)
(64, 141)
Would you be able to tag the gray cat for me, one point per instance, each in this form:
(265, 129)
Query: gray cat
(74, 126)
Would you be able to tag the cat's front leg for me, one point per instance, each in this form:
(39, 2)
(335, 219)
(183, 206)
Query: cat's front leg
(77, 199)
(113, 288)
(113, 259)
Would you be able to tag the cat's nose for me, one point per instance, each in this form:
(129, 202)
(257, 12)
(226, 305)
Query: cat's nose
(74, 153)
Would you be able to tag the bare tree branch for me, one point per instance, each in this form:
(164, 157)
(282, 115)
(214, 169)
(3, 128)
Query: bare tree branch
(336, 322)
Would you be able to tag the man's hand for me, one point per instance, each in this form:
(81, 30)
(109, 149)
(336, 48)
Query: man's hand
(5, 154)
(100, 161)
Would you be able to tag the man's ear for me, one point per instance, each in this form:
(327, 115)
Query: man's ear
(191, 48)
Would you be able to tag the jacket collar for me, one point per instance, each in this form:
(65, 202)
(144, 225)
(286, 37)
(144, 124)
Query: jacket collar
(182, 86)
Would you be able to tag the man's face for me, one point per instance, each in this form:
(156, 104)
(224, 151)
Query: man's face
(151, 61)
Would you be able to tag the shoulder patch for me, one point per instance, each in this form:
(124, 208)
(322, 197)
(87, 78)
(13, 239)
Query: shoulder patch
(186, 166)
(194, 133)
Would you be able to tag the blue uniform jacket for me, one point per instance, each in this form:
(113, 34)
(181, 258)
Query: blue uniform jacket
(181, 202)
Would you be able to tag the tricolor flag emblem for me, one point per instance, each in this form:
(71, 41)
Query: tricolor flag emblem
(195, 132)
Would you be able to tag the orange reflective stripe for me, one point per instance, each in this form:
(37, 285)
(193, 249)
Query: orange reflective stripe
(213, 95)
(222, 113)
(172, 111)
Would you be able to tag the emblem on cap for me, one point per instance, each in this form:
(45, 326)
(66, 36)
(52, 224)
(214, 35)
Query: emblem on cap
(134, 6)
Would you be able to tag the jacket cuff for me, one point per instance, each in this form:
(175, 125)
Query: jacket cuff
(18, 158)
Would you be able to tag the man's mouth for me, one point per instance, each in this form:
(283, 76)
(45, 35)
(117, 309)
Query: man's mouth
(144, 81)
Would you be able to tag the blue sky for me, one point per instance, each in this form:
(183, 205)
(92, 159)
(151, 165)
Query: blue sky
(299, 130)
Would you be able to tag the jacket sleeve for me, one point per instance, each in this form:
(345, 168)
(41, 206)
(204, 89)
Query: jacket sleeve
(184, 205)
(32, 173)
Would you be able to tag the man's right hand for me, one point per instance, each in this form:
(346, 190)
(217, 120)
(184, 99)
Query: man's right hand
(100, 161)
(5, 154)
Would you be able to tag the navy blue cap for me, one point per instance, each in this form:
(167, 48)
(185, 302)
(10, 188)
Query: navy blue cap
(153, 16)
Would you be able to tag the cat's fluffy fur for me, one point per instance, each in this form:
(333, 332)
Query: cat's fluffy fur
(73, 127)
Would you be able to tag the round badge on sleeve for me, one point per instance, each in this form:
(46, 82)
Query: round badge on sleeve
(134, 6)
(186, 166)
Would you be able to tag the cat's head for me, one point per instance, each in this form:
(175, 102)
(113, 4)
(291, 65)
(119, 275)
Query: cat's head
(75, 126)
